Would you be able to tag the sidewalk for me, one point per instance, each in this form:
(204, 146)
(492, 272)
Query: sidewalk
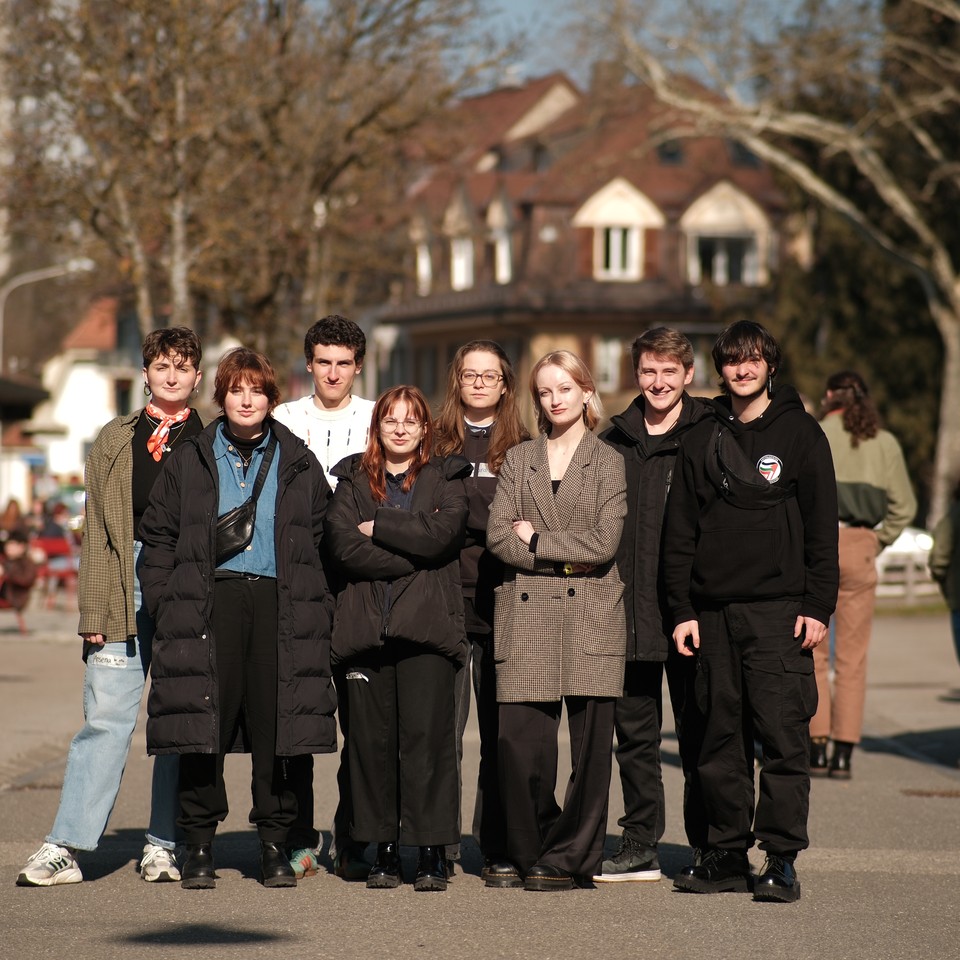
(880, 882)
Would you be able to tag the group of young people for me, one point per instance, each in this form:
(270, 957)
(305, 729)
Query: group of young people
(395, 561)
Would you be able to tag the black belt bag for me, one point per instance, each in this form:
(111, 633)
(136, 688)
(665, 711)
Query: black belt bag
(235, 527)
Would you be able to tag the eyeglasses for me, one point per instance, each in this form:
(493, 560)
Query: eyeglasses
(488, 377)
(390, 424)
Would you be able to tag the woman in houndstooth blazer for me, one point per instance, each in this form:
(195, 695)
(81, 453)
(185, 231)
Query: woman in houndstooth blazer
(559, 632)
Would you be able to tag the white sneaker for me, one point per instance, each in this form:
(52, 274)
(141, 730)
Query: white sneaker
(158, 864)
(50, 865)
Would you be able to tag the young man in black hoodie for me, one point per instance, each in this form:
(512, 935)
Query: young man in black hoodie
(647, 434)
(751, 573)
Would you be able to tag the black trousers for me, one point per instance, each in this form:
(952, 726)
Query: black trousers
(402, 746)
(538, 830)
(638, 722)
(245, 634)
(754, 671)
(489, 825)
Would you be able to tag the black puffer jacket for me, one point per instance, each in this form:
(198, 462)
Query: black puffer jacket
(649, 465)
(178, 532)
(415, 551)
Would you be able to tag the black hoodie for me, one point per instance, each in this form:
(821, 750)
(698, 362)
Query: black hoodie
(649, 462)
(719, 550)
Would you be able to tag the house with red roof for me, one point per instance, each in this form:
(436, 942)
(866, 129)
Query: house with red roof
(547, 217)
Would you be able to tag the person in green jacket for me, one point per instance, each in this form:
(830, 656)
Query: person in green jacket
(944, 562)
(875, 502)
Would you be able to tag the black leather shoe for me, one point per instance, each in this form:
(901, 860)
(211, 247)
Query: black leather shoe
(275, 869)
(500, 873)
(385, 872)
(431, 870)
(777, 880)
(543, 876)
(719, 871)
(818, 756)
(197, 872)
(840, 761)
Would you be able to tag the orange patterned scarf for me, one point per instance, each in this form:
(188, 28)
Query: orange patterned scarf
(156, 443)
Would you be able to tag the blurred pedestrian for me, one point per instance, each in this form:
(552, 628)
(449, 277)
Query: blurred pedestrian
(945, 562)
(875, 502)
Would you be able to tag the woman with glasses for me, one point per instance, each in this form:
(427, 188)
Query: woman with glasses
(560, 628)
(480, 420)
(395, 528)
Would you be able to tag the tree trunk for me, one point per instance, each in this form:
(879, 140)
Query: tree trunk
(180, 313)
(946, 471)
(140, 268)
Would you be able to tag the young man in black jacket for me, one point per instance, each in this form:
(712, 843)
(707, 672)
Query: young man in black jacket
(750, 567)
(647, 434)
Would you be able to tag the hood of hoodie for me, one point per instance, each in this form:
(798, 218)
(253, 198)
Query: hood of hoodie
(627, 428)
(784, 399)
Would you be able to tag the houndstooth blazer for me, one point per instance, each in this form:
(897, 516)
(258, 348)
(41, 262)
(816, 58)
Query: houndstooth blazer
(554, 635)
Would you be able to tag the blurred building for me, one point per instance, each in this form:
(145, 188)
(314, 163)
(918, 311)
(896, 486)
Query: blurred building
(546, 217)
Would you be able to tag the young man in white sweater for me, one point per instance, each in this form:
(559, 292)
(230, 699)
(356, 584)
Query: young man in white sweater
(333, 423)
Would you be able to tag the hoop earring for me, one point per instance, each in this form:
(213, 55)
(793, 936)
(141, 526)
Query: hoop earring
(146, 389)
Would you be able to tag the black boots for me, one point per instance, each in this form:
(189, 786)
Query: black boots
(385, 873)
(819, 765)
(275, 868)
(431, 870)
(840, 761)
(777, 880)
(719, 871)
(197, 872)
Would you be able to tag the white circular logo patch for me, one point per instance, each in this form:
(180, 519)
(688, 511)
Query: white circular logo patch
(770, 467)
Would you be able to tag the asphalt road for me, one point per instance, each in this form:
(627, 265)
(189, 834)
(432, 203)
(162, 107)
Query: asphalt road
(881, 880)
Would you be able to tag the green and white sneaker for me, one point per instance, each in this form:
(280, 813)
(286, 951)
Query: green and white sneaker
(49, 866)
(158, 865)
(305, 862)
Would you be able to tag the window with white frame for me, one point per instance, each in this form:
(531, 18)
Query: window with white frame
(619, 215)
(461, 263)
(607, 362)
(617, 253)
(424, 269)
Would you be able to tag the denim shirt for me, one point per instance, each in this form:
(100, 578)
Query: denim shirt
(259, 558)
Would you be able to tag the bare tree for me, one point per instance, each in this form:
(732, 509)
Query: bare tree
(821, 87)
(199, 142)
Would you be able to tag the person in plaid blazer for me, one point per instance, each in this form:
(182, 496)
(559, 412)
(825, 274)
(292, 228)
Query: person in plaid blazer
(560, 633)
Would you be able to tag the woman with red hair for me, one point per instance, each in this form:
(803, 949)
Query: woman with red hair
(395, 528)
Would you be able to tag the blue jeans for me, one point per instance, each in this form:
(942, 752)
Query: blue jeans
(112, 690)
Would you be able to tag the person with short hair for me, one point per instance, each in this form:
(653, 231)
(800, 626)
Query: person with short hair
(334, 424)
(876, 502)
(559, 628)
(750, 570)
(648, 435)
(242, 650)
(125, 461)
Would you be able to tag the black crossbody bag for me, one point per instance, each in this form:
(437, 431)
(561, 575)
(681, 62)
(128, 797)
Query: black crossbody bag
(235, 527)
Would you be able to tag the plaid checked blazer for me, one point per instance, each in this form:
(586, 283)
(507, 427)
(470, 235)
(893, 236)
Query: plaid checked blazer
(557, 636)
(105, 588)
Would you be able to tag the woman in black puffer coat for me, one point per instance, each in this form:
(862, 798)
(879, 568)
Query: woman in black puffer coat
(395, 528)
(242, 648)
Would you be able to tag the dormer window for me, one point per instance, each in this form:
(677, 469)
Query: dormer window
(620, 217)
(461, 263)
(502, 257)
(424, 269)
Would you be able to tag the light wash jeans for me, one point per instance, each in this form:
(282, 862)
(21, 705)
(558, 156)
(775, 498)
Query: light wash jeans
(112, 690)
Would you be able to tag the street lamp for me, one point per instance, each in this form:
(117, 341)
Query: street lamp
(75, 265)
